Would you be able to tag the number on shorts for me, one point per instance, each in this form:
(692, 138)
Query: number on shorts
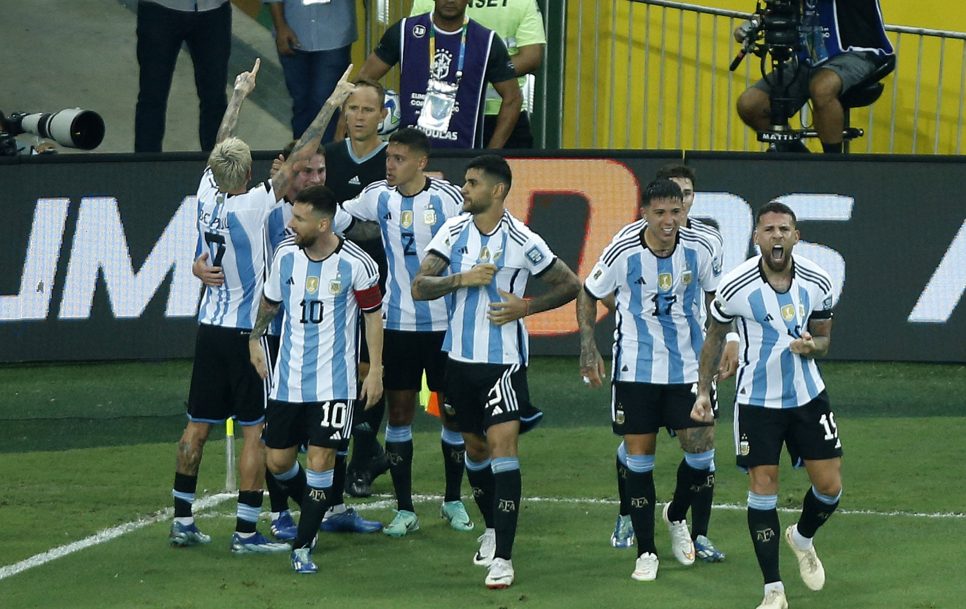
(334, 414)
(496, 398)
(828, 422)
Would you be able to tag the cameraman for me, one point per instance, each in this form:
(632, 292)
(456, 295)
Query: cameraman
(851, 45)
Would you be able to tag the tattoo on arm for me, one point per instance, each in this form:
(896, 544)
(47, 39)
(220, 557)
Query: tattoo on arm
(711, 354)
(586, 319)
(230, 119)
(564, 287)
(428, 285)
(821, 331)
(308, 143)
(364, 231)
(266, 313)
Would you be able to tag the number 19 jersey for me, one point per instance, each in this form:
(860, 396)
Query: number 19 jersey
(321, 300)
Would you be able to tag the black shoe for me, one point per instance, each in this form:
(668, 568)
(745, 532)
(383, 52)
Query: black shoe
(379, 465)
(359, 483)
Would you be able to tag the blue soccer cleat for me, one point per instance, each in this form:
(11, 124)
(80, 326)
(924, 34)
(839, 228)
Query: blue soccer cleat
(623, 535)
(256, 544)
(184, 535)
(706, 550)
(302, 561)
(349, 521)
(284, 527)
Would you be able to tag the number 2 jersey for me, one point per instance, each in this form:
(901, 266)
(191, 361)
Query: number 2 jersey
(658, 336)
(321, 300)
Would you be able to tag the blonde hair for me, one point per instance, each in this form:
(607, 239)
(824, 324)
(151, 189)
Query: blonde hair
(231, 162)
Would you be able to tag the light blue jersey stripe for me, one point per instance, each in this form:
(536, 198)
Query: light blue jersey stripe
(285, 356)
(455, 265)
(340, 381)
(246, 269)
(789, 394)
(635, 310)
(495, 351)
(675, 363)
(424, 319)
(392, 285)
(311, 333)
(759, 383)
(810, 385)
(693, 296)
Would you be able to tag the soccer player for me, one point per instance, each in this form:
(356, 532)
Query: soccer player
(321, 282)
(488, 257)
(355, 162)
(660, 273)
(783, 306)
(410, 209)
(696, 479)
(231, 227)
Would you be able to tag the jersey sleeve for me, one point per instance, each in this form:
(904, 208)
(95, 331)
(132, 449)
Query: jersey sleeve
(531, 29)
(273, 284)
(389, 49)
(721, 309)
(364, 206)
(499, 67)
(442, 242)
(709, 273)
(537, 255)
(365, 285)
(822, 309)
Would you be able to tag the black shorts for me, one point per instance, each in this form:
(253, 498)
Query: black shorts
(482, 395)
(326, 424)
(643, 408)
(223, 382)
(808, 431)
(407, 354)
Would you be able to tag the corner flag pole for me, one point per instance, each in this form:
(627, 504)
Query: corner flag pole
(231, 485)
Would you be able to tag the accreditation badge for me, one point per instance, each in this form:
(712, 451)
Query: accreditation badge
(438, 106)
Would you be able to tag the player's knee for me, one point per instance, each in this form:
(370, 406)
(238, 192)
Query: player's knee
(828, 490)
(278, 462)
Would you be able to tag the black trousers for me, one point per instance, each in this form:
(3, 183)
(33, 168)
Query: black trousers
(160, 33)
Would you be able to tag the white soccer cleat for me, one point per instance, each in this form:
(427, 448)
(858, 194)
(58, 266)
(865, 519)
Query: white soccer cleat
(681, 543)
(484, 556)
(499, 574)
(774, 599)
(645, 569)
(809, 566)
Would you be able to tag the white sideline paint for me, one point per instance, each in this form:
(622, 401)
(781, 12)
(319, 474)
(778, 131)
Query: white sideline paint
(387, 501)
(106, 535)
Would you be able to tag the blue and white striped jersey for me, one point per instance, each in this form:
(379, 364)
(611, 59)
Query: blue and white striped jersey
(231, 228)
(769, 374)
(517, 252)
(276, 231)
(658, 337)
(321, 300)
(407, 225)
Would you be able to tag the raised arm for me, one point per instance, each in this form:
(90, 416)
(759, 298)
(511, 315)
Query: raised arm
(591, 363)
(244, 85)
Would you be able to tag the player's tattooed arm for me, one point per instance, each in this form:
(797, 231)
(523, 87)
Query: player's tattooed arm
(564, 287)
(815, 341)
(244, 84)
(364, 231)
(591, 363)
(428, 285)
(707, 367)
(266, 313)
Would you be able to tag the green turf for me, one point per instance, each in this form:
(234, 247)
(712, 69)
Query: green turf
(108, 432)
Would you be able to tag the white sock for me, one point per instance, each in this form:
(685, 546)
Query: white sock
(802, 543)
(774, 586)
(185, 520)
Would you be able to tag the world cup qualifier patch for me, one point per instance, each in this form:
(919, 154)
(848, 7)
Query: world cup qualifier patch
(535, 255)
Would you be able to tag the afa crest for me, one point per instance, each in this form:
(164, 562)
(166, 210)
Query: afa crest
(429, 216)
(686, 277)
(665, 281)
(335, 285)
(312, 285)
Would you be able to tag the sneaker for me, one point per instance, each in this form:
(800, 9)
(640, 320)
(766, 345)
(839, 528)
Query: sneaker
(302, 561)
(681, 542)
(349, 521)
(645, 569)
(623, 535)
(256, 544)
(403, 523)
(774, 599)
(455, 513)
(284, 527)
(809, 566)
(484, 556)
(359, 483)
(706, 551)
(184, 535)
(499, 574)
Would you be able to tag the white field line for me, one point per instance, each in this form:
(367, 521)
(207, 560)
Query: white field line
(106, 535)
(383, 502)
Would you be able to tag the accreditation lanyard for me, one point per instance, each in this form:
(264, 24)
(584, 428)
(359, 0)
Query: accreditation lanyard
(432, 49)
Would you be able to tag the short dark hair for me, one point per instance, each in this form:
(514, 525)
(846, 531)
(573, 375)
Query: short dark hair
(372, 84)
(412, 137)
(661, 188)
(320, 197)
(493, 166)
(676, 170)
(775, 207)
(287, 151)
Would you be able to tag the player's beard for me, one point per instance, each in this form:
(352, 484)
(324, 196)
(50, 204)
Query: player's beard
(304, 241)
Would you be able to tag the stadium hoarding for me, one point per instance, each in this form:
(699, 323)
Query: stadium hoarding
(97, 249)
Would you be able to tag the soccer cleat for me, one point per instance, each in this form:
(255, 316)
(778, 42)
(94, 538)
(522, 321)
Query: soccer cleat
(645, 568)
(809, 566)
(454, 512)
(256, 544)
(774, 599)
(404, 522)
(284, 528)
(184, 535)
(484, 556)
(499, 574)
(623, 535)
(706, 551)
(349, 521)
(302, 561)
(681, 543)
(359, 483)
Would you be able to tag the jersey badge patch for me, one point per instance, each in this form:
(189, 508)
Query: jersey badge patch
(484, 254)
(686, 277)
(406, 218)
(535, 255)
(429, 216)
(312, 285)
(335, 285)
(664, 281)
(419, 30)
(788, 312)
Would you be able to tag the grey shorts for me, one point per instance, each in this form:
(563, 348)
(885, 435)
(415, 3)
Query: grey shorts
(852, 68)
